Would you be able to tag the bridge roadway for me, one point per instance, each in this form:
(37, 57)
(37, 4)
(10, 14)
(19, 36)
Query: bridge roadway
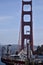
(20, 62)
(12, 61)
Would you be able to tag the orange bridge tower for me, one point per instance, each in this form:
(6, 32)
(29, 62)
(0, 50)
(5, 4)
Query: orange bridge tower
(26, 24)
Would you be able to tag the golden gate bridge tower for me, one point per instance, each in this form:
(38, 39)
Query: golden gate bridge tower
(26, 23)
(26, 33)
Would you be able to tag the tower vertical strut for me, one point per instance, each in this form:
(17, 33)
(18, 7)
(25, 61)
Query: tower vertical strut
(25, 23)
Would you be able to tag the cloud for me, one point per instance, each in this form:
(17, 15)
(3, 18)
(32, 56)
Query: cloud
(6, 17)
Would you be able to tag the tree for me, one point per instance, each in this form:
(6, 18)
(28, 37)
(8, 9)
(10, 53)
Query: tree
(39, 50)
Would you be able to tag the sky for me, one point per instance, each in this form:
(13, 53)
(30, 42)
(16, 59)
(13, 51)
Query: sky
(10, 19)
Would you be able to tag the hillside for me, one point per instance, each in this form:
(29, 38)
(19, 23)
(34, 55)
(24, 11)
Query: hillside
(13, 48)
